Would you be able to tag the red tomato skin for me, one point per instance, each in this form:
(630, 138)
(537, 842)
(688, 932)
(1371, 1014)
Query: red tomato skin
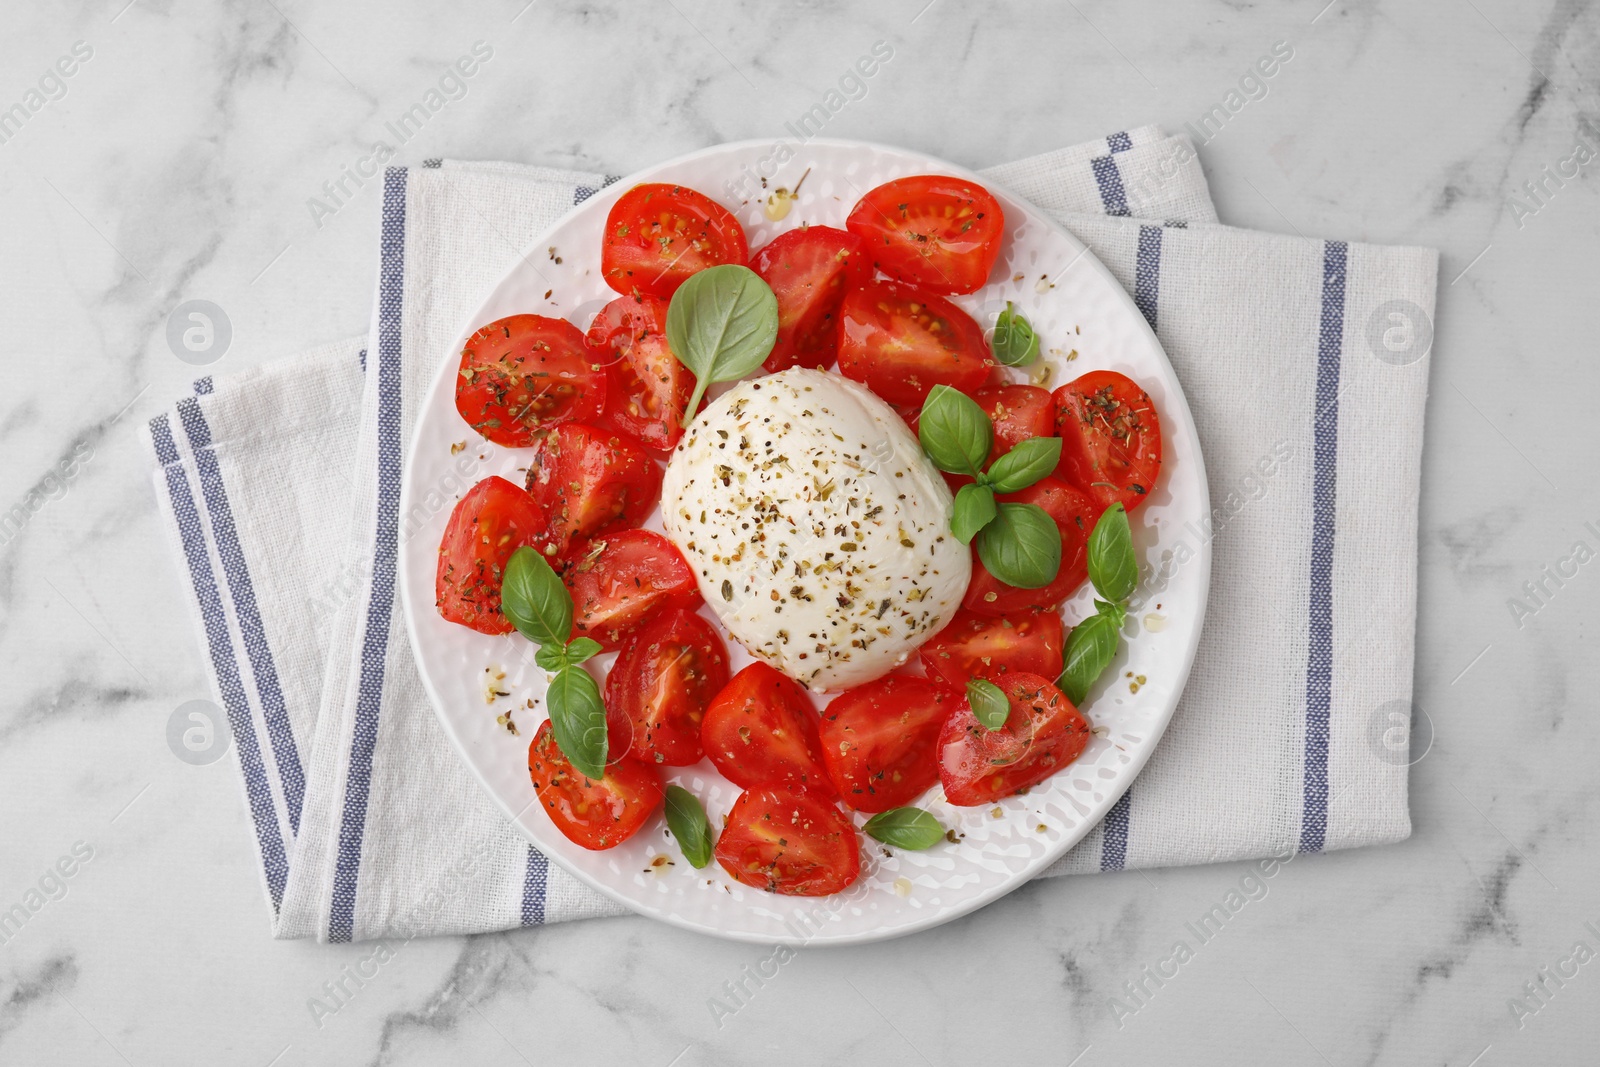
(1018, 413)
(619, 580)
(933, 230)
(761, 733)
(647, 389)
(900, 342)
(493, 520)
(1110, 438)
(789, 843)
(810, 270)
(1075, 515)
(661, 684)
(596, 815)
(1043, 733)
(525, 373)
(657, 235)
(979, 646)
(880, 741)
(585, 481)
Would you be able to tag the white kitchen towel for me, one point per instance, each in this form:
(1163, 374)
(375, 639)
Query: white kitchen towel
(1305, 365)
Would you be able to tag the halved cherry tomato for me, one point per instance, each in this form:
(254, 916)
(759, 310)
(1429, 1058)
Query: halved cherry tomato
(662, 682)
(1018, 413)
(492, 521)
(524, 373)
(1110, 438)
(978, 646)
(809, 270)
(788, 843)
(880, 741)
(1043, 733)
(586, 481)
(761, 732)
(900, 342)
(1074, 514)
(596, 815)
(619, 580)
(657, 235)
(648, 388)
(939, 232)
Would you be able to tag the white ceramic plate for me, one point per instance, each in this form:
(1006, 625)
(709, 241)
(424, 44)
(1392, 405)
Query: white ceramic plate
(1077, 308)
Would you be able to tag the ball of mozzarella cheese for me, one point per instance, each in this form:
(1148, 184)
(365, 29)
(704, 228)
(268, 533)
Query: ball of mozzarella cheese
(817, 529)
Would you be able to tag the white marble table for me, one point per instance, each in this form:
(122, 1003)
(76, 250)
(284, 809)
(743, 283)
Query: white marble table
(177, 162)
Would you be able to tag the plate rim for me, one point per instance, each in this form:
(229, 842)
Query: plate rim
(1137, 760)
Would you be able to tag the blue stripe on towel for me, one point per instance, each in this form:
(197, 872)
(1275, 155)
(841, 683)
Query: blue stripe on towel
(1109, 178)
(535, 882)
(1147, 295)
(269, 835)
(1119, 141)
(1319, 659)
(380, 604)
(1147, 273)
(1114, 833)
(291, 779)
(203, 386)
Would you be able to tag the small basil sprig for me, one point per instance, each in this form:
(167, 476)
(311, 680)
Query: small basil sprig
(687, 821)
(988, 702)
(909, 828)
(721, 324)
(538, 604)
(1014, 343)
(1018, 543)
(1114, 570)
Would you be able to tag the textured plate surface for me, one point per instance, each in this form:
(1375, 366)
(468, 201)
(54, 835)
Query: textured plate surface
(1078, 309)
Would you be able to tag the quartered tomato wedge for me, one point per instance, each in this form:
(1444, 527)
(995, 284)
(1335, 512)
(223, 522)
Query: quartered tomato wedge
(619, 580)
(492, 521)
(596, 815)
(761, 732)
(789, 843)
(1110, 438)
(659, 687)
(939, 232)
(648, 389)
(1018, 413)
(1074, 514)
(657, 235)
(585, 481)
(809, 270)
(900, 342)
(977, 646)
(524, 373)
(1043, 733)
(880, 741)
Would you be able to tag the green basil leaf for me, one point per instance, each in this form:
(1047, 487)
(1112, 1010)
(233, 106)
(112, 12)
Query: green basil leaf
(1090, 647)
(578, 718)
(1026, 463)
(909, 828)
(1014, 343)
(1022, 546)
(580, 649)
(955, 432)
(687, 821)
(1117, 612)
(721, 324)
(535, 599)
(551, 657)
(989, 703)
(1112, 566)
(975, 509)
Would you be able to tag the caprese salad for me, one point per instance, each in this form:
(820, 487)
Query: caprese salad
(875, 510)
